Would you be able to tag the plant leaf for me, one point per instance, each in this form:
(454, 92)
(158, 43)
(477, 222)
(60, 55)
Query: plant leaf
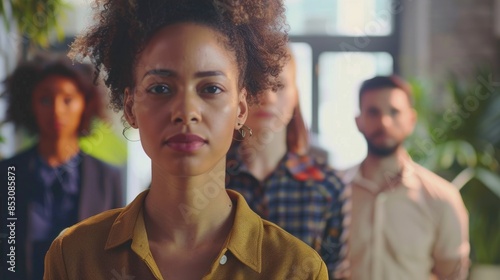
(466, 154)
(3, 14)
(489, 179)
(463, 177)
(447, 152)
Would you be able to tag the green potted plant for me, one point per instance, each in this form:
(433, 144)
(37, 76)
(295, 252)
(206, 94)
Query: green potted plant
(37, 20)
(460, 140)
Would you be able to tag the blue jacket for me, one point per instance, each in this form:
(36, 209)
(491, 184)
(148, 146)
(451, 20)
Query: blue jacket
(100, 189)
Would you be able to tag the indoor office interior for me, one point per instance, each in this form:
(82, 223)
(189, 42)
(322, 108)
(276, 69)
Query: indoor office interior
(448, 51)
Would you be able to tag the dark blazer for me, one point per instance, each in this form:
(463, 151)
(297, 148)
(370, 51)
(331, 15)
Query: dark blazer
(101, 189)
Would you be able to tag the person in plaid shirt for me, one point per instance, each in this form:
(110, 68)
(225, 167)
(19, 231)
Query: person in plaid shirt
(283, 183)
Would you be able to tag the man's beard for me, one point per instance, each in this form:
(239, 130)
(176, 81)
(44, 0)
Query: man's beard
(381, 151)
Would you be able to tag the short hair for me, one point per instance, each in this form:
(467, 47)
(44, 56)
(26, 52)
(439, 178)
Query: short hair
(255, 30)
(381, 82)
(19, 87)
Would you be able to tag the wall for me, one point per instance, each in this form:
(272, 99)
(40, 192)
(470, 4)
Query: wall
(439, 37)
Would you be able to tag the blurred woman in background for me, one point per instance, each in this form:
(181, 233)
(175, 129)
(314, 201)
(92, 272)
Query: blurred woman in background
(56, 184)
(282, 182)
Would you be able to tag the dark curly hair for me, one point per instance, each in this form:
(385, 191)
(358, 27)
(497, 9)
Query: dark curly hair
(19, 87)
(255, 30)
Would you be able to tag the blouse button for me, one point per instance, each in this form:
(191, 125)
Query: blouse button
(223, 259)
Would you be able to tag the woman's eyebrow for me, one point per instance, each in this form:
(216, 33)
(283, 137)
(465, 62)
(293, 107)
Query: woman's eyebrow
(160, 72)
(202, 74)
(171, 73)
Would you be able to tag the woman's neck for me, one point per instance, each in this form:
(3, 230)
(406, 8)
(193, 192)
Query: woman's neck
(188, 211)
(262, 154)
(58, 151)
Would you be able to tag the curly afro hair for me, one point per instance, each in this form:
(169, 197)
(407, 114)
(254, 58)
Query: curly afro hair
(19, 87)
(255, 30)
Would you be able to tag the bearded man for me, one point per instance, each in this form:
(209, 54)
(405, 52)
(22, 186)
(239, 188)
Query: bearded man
(407, 222)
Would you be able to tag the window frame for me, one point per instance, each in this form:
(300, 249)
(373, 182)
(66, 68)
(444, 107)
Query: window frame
(330, 43)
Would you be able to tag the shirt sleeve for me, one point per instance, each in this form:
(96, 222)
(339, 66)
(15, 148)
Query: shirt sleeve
(334, 244)
(451, 250)
(323, 272)
(55, 267)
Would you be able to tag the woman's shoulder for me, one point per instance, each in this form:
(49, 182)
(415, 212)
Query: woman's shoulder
(269, 249)
(92, 246)
(281, 248)
(274, 237)
(21, 157)
(82, 246)
(94, 228)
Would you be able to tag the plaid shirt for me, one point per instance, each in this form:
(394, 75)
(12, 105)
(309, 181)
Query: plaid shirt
(304, 198)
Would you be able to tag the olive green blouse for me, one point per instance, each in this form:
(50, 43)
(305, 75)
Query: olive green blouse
(114, 245)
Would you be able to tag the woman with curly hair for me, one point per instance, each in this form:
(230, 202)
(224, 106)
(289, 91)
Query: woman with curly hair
(183, 71)
(56, 184)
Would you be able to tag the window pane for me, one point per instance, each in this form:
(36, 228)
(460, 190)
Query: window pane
(78, 17)
(340, 17)
(303, 58)
(138, 167)
(340, 76)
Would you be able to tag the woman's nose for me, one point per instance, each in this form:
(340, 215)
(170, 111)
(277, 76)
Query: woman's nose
(269, 97)
(186, 109)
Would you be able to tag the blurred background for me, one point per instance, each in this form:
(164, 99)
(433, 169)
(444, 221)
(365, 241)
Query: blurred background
(449, 50)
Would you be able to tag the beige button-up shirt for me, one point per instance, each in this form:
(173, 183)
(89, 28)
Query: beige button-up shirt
(416, 228)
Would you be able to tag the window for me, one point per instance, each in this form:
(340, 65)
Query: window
(340, 17)
(345, 42)
(302, 53)
(341, 74)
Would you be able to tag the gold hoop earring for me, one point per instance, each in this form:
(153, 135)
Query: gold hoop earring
(125, 129)
(243, 133)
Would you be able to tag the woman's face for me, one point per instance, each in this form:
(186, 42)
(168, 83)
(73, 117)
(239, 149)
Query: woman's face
(186, 102)
(275, 109)
(58, 106)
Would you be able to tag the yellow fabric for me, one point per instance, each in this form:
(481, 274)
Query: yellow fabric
(114, 245)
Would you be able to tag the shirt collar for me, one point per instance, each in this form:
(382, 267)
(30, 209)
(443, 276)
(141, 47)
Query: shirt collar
(67, 173)
(70, 165)
(122, 229)
(409, 176)
(245, 239)
(301, 167)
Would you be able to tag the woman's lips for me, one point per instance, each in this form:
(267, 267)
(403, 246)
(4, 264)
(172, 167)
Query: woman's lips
(57, 125)
(185, 142)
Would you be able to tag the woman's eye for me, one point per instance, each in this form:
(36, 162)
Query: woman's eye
(212, 90)
(159, 89)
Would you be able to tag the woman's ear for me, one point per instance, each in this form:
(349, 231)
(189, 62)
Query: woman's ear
(128, 108)
(242, 109)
